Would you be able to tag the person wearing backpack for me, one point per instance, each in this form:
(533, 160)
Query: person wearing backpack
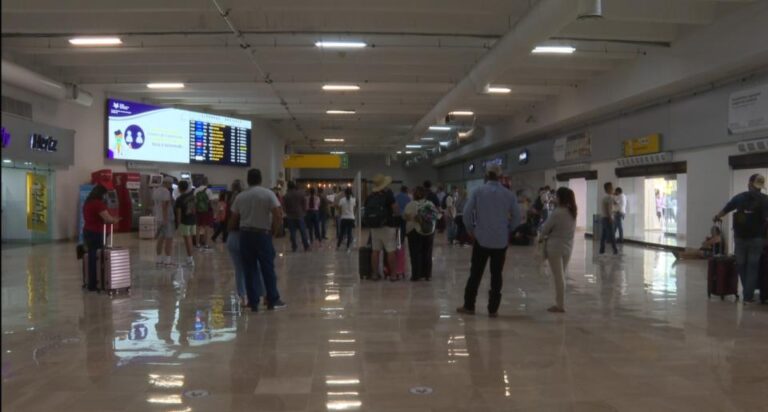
(186, 218)
(750, 227)
(421, 222)
(204, 210)
(379, 216)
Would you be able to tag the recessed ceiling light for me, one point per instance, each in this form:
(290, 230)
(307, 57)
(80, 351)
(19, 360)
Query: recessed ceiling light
(7, 161)
(439, 128)
(554, 49)
(408, 152)
(341, 87)
(333, 140)
(338, 152)
(445, 144)
(462, 113)
(428, 139)
(498, 90)
(95, 41)
(340, 44)
(165, 85)
(413, 146)
(340, 112)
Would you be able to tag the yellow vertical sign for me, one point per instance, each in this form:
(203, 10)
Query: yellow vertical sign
(37, 202)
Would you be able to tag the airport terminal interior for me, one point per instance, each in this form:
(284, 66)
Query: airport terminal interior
(424, 205)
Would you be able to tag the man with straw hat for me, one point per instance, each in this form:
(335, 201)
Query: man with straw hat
(379, 216)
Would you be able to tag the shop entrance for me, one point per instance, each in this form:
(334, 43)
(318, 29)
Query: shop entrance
(579, 187)
(660, 213)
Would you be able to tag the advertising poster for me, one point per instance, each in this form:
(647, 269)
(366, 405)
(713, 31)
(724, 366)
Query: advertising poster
(138, 131)
(748, 110)
(37, 202)
(578, 146)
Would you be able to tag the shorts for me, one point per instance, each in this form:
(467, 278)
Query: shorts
(205, 219)
(383, 238)
(188, 230)
(165, 230)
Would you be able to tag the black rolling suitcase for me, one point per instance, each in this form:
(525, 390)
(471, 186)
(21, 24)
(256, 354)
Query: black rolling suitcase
(364, 255)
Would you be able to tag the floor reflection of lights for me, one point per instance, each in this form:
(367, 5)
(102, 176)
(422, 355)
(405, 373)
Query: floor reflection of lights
(165, 399)
(166, 381)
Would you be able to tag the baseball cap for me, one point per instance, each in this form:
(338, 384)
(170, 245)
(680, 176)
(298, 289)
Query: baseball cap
(757, 180)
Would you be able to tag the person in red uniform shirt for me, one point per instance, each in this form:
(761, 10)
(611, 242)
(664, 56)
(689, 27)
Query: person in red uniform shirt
(95, 215)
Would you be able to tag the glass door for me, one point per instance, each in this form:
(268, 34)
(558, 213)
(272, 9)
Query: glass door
(661, 211)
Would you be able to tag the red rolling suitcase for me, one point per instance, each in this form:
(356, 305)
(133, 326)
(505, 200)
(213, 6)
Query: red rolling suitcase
(399, 261)
(722, 278)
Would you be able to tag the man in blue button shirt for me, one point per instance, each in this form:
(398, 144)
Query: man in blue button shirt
(487, 215)
(750, 224)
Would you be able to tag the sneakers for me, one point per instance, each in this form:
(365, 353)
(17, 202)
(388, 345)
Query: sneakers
(277, 305)
(190, 261)
(465, 311)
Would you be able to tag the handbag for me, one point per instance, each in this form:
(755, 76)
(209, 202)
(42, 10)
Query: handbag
(81, 249)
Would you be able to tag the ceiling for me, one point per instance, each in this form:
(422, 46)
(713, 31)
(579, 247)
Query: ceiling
(417, 51)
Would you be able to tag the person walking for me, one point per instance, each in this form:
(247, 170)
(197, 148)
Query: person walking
(233, 244)
(313, 215)
(750, 227)
(488, 213)
(380, 211)
(346, 212)
(402, 199)
(449, 213)
(296, 210)
(186, 218)
(324, 212)
(256, 212)
(606, 219)
(421, 222)
(557, 233)
(95, 216)
(620, 211)
(220, 224)
(461, 230)
(204, 212)
(162, 210)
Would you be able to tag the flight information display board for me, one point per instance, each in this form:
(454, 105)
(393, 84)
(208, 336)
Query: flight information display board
(138, 131)
(220, 144)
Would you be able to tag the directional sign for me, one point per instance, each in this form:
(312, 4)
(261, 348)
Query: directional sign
(315, 161)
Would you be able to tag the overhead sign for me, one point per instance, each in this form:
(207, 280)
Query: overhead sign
(748, 110)
(643, 145)
(577, 146)
(500, 161)
(315, 161)
(37, 202)
(28, 141)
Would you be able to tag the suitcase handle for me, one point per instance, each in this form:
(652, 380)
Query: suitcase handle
(111, 234)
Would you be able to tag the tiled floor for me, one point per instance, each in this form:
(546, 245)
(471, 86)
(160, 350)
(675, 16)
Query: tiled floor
(639, 335)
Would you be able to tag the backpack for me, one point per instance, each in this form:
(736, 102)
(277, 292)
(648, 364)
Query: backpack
(202, 203)
(375, 214)
(748, 221)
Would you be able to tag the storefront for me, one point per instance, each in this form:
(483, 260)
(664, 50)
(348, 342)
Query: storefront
(31, 154)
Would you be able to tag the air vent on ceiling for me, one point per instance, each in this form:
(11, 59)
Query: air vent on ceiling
(17, 107)
(645, 160)
(750, 146)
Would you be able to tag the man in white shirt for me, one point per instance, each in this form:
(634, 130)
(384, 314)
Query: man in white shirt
(620, 210)
(606, 214)
(162, 210)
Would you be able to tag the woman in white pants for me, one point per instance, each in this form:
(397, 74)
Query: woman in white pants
(558, 232)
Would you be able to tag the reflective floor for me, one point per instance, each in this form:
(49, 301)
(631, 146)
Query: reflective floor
(639, 335)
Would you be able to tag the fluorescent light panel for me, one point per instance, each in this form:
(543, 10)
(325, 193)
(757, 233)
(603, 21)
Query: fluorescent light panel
(462, 113)
(428, 139)
(440, 128)
(338, 153)
(498, 90)
(340, 112)
(445, 144)
(165, 85)
(330, 140)
(95, 41)
(340, 87)
(340, 44)
(553, 50)
(413, 146)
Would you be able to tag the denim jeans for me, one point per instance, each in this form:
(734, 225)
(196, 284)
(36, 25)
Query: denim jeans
(313, 224)
(93, 241)
(233, 246)
(294, 224)
(608, 234)
(346, 232)
(258, 254)
(748, 264)
(618, 219)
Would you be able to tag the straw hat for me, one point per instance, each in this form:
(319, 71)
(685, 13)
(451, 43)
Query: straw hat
(380, 182)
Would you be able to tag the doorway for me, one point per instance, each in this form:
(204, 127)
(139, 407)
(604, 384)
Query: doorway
(579, 187)
(661, 212)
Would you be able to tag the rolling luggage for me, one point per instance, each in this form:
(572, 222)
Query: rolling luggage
(399, 261)
(722, 278)
(364, 260)
(115, 266)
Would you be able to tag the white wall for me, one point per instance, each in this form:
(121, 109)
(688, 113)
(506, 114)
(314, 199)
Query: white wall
(88, 122)
(370, 165)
